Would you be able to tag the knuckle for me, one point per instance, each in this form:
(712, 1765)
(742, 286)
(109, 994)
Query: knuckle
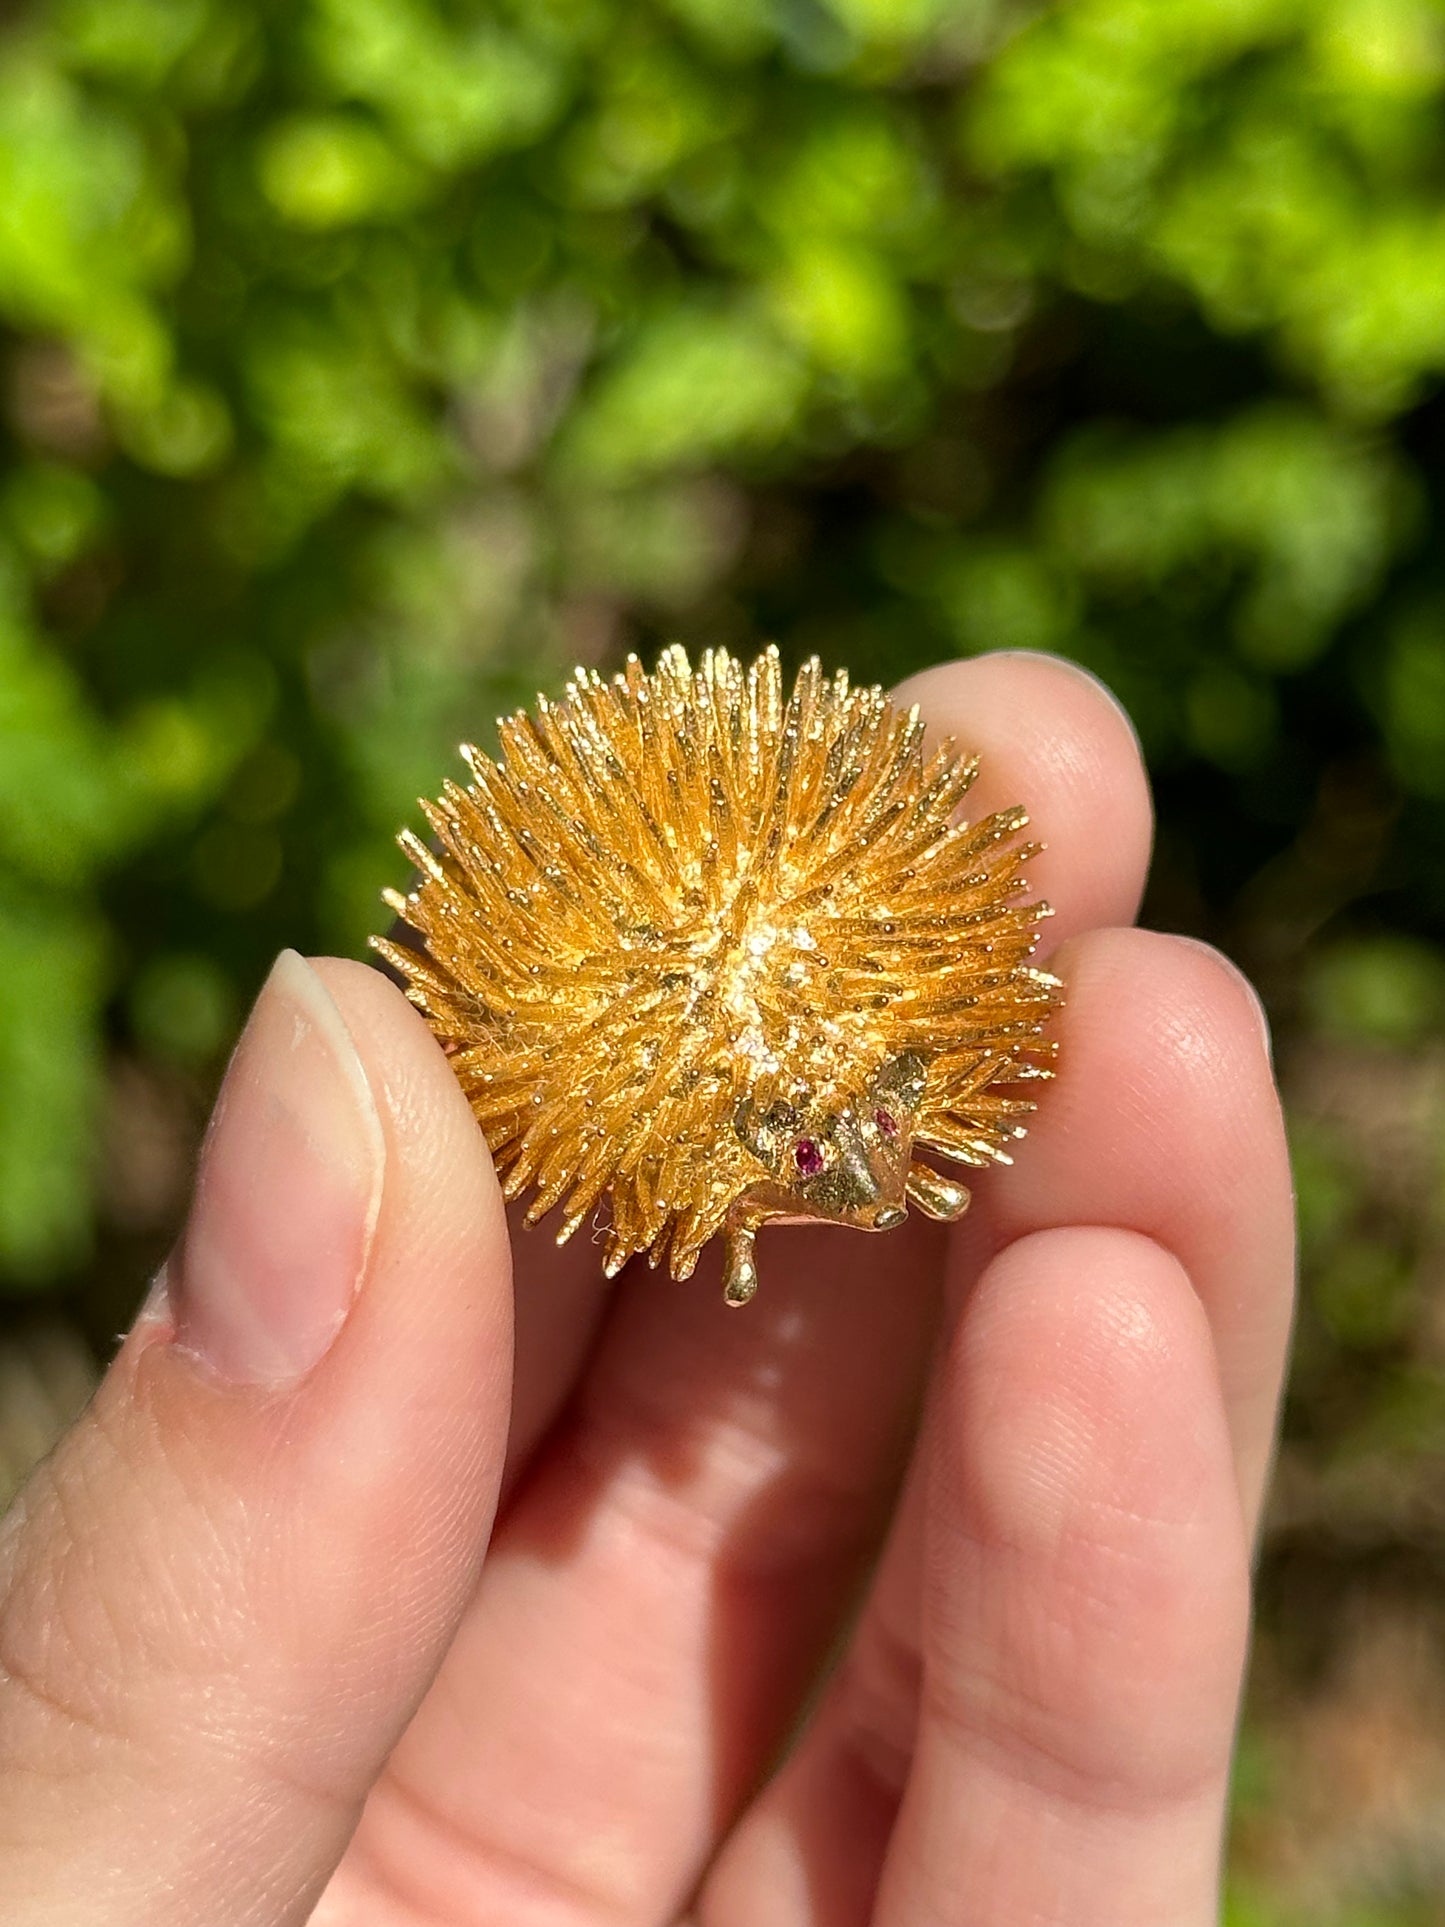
(98, 1580)
(59, 1671)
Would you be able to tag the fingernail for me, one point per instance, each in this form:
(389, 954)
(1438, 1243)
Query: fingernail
(287, 1193)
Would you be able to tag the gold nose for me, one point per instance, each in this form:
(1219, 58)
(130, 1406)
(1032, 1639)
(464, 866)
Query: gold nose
(888, 1217)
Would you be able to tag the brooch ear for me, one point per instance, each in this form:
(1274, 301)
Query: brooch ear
(902, 1080)
(763, 1129)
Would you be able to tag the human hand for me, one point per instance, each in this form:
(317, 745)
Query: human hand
(259, 1663)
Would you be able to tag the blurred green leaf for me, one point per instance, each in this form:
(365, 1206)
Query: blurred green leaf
(322, 171)
(694, 384)
(1389, 989)
(453, 95)
(51, 982)
(182, 1009)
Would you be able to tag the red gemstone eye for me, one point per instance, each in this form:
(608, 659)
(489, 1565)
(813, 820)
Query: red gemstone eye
(808, 1157)
(886, 1122)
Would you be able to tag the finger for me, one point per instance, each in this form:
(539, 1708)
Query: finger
(223, 1596)
(1163, 1121)
(656, 1598)
(1047, 734)
(1082, 1632)
(1085, 1603)
(561, 1300)
(717, 1485)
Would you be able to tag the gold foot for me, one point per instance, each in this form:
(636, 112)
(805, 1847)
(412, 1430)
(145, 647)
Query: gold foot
(937, 1197)
(740, 1274)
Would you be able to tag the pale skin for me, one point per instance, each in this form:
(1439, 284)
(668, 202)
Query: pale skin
(376, 1592)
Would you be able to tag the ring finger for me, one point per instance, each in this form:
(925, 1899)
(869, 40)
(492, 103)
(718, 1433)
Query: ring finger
(1165, 1125)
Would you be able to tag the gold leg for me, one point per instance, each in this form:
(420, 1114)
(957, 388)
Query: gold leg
(740, 1273)
(937, 1197)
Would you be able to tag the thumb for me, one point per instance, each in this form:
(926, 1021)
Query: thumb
(224, 1594)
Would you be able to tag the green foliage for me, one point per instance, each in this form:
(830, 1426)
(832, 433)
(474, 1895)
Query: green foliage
(1387, 989)
(366, 363)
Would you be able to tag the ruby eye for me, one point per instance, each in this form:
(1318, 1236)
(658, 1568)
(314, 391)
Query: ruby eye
(808, 1156)
(886, 1122)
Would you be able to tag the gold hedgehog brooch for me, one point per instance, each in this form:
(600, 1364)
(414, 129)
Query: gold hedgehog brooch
(726, 958)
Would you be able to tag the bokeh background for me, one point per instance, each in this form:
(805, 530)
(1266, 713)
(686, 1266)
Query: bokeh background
(364, 364)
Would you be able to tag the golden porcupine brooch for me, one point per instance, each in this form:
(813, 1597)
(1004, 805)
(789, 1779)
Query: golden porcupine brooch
(726, 959)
